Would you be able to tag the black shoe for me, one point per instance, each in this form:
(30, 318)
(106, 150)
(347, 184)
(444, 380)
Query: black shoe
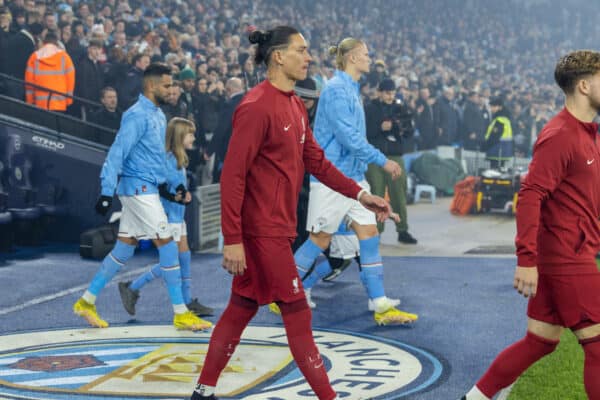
(197, 396)
(407, 238)
(199, 309)
(335, 272)
(128, 297)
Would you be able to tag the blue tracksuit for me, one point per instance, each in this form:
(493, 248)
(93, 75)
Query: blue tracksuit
(136, 161)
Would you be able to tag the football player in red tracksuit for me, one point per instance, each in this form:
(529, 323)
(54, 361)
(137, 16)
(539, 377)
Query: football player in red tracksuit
(558, 234)
(271, 147)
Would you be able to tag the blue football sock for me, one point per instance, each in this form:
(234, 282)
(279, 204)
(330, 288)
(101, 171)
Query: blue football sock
(321, 271)
(371, 268)
(185, 259)
(169, 264)
(146, 277)
(111, 264)
(305, 256)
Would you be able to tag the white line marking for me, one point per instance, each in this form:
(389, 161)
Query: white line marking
(66, 292)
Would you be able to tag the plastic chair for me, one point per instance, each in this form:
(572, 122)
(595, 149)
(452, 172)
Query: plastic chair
(420, 189)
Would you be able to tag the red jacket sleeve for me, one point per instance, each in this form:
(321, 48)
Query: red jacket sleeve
(249, 130)
(316, 164)
(548, 167)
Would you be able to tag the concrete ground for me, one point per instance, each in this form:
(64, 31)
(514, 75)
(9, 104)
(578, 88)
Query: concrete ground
(441, 234)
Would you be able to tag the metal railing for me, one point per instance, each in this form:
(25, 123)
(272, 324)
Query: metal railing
(209, 227)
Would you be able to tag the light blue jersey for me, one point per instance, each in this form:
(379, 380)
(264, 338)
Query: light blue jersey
(175, 177)
(136, 161)
(340, 128)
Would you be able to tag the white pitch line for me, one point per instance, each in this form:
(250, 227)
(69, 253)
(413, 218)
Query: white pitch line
(66, 292)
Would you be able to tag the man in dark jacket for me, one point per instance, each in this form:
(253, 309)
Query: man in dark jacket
(109, 116)
(20, 46)
(220, 140)
(89, 79)
(473, 124)
(424, 121)
(446, 118)
(389, 128)
(132, 85)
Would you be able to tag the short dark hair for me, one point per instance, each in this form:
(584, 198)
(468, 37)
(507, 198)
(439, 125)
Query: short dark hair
(575, 66)
(107, 89)
(51, 37)
(267, 41)
(156, 70)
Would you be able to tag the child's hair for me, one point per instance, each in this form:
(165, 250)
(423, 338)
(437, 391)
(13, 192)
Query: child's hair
(176, 131)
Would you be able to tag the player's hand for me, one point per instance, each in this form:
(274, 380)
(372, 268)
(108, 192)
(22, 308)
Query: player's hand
(378, 205)
(392, 168)
(234, 259)
(395, 217)
(103, 204)
(526, 280)
(188, 198)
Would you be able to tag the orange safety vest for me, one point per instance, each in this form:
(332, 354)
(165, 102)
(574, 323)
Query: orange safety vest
(51, 68)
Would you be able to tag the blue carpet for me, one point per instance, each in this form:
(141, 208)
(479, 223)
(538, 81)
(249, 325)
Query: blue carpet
(467, 307)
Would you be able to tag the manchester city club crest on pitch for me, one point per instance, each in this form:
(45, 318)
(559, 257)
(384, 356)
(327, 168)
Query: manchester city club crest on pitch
(143, 362)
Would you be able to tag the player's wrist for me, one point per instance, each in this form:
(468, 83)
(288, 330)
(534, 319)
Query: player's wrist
(361, 193)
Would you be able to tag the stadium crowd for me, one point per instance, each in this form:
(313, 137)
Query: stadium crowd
(447, 58)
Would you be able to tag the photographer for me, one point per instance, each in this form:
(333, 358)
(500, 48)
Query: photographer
(390, 128)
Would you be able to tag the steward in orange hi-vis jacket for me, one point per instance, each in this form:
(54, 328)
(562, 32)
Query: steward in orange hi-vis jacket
(52, 68)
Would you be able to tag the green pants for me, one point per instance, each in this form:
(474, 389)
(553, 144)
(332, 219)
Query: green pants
(379, 179)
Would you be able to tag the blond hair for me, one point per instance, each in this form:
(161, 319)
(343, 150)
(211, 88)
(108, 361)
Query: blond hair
(342, 49)
(176, 131)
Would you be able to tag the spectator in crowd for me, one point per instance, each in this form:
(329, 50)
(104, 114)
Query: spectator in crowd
(89, 79)
(109, 115)
(473, 123)
(20, 46)
(50, 68)
(424, 121)
(174, 106)
(220, 140)
(388, 130)
(187, 77)
(131, 87)
(446, 118)
(378, 74)
(498, 145)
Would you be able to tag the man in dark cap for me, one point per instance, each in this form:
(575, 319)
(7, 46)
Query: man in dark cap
(498, 144)
(390, 128)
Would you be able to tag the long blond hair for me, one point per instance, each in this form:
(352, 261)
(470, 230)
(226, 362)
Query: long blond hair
(176, 131)
(342, 49)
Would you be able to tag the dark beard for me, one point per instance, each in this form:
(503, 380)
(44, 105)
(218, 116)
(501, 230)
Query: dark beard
(160, 101)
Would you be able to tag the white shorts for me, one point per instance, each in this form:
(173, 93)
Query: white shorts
(344, 246)
(178, 230)
(327, 208)
(143, 217)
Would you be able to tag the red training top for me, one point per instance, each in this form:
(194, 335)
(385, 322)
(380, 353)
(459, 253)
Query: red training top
(559, 201)
(270, 148)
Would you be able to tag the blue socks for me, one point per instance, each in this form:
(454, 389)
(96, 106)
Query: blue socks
(169, 265)
(111, 264)
(321, 271)
(185, 259)
(371, 267)
(305, 256)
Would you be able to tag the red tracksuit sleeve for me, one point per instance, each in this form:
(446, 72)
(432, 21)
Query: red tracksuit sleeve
(548, 167)
(316, 164)
(249, 130)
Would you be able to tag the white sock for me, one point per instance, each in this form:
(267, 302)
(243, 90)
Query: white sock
(88, 297)
(475, 394)
(180, 308)
(205, 390)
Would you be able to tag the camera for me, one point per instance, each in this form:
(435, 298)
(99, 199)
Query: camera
(404, 118)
